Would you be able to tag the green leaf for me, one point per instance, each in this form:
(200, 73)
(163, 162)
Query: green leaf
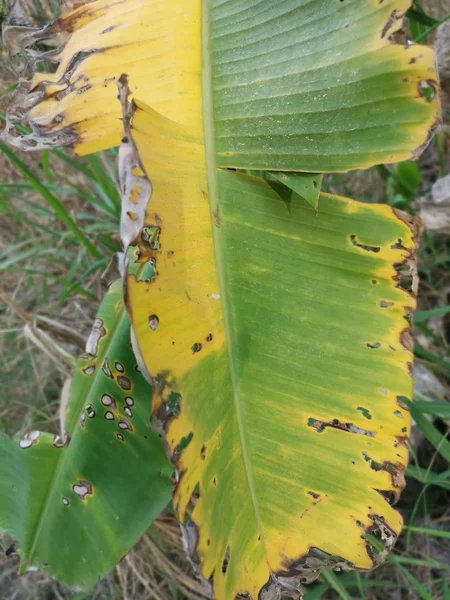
(288, 336)
(423, 315)
(429, 532)
(76, 504)
(408, 174)
(420, 590)
(434, 436)
(418, 15)
(306, 185)
(437, 409)
(314, 86)
(429, 478)
(52, 201)
(335, 584)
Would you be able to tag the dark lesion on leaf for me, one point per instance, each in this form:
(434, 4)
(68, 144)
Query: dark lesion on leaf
(379, 538)
(182, 445)
(399, 245)
(314, 495)
(395, 15)
(320, 426)
(386, 304)
(124, 382)
(404, 402)
(406, 277)
(355, 242)
(406, 339)
(390, 496)
(373, 345)
(226, 560)
(396, 472)
(413, 223)
(83, 488)
(108, 29)
(303, 570)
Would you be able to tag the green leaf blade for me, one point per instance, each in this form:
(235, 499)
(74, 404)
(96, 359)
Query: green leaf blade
(76, 508)
(306, 185)
(317, 86)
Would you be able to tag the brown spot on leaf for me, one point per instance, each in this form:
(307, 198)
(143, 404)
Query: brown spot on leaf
(320, 426)
(393, 17)
(365, 247)
(374, 345)
(313, 495)
(385, 304)
(406, 339)
(124, 382)
(82, 489)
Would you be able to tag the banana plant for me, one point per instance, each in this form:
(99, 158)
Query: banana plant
(276, 337)
(77, 502)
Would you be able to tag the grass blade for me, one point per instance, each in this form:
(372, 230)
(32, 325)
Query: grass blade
(434, 436)
(424, 315)
(416, 585)
(334, 583)
(430, 532)
(52, 201)
(437, 409)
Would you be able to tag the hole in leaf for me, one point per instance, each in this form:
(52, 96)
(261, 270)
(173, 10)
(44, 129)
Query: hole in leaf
(375, 544)
(153, 322)
(226, 560)
(173, 404)
(374, 345)
(365, 412)
(184, 443)
(427, 90)
(388, 495)
(366, 247)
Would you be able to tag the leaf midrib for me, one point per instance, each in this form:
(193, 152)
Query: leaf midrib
(211, 174)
